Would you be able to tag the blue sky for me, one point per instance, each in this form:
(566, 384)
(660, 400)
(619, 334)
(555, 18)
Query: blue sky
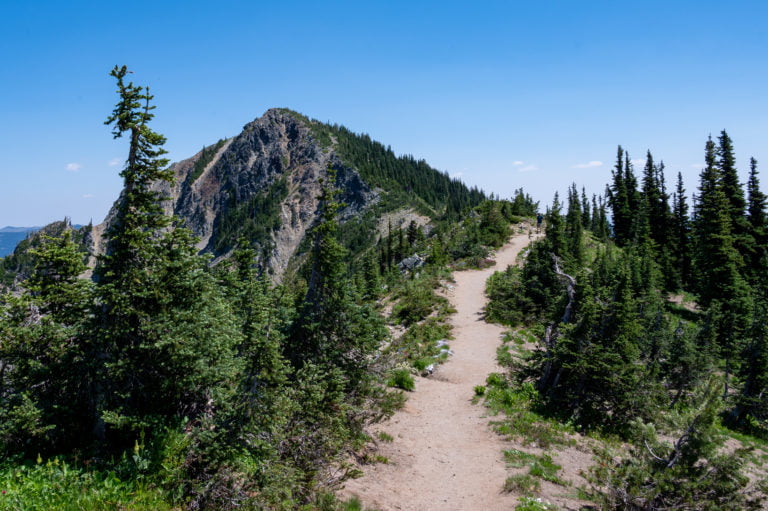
(504, 94)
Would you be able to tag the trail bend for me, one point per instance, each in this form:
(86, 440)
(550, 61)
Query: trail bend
(444, 455)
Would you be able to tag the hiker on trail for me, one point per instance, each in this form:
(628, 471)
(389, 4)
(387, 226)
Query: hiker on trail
(539, 219)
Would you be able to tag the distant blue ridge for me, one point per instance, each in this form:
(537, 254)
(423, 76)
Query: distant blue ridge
(12, 236)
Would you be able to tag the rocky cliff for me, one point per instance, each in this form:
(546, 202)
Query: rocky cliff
(264, 185)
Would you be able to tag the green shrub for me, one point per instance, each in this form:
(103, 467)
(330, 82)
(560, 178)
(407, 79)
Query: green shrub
(402, 379)
(479, 390)
(420, 364)
(534, 504)
(57, 485)
(418, 302)
(496, 380)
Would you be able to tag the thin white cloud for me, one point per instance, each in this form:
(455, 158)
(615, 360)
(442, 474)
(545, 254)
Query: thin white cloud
(529, 168)
(638, 161)
(456, 175)
(517, 163)
(589, 165)
(88, 196)
(698, 166)
(114, 162)
(73, 167)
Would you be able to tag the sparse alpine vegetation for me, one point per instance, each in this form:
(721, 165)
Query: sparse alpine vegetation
(613, 359)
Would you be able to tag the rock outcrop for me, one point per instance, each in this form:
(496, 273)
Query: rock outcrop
(275, 149)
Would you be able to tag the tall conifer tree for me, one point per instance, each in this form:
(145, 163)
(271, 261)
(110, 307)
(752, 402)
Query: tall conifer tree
(165, 334)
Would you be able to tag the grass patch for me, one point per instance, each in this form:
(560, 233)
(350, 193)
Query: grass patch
(518, 459)
(541, 467)
(57, 485)
(521, 421)
(534, 504)
(523, 484)
(401, 379)
(385, 437)
(547, 469)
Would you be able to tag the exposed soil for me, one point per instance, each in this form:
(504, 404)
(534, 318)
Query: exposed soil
(444, 455)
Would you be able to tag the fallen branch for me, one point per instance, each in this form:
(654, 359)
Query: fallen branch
(570, 289)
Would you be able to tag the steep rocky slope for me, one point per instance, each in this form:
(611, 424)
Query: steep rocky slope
(263, 185)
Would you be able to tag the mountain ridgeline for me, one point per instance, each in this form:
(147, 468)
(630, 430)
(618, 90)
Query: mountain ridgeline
(263, 185)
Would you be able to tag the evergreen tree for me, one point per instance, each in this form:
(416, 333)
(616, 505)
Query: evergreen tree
(756, 212)
(555, 230)
(595, 218)
(726, 162)
(691, 473)
(752, 403)
(681, 233)
(594, 375)
(574, 228)
(334, 330)
(758, 224)
(717, 261)
(165, 335)
(586, 218)
(720, 286)
(734, 194)
(619, 201)
(46, 373)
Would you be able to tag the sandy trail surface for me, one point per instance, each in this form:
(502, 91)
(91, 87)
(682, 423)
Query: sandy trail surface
(444, 455)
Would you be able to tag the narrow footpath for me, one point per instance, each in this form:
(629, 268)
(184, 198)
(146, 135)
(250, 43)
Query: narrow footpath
(444, 455)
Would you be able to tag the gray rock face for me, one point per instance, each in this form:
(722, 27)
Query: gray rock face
(411, 263)
(277, 146)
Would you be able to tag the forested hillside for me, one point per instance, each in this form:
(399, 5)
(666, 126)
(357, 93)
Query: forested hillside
(166, 382)
(652, 329)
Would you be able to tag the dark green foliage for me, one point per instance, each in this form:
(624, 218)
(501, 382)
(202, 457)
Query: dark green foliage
(379, 167)
(211, 388)
(691, 473)
(542, 290)
(555, 230)
(574, 228)
(590, 370)
(521, 204)
(19, 265)
(613, 351)
(624, 200)
(402, 379)
(416, 303)
(254, 220)
(717, 262)
(45, 372)
(506, 296)
(659, 227)
(206, 157)
(751, 409)
(734, 194)
(494, 226)
(757, 242)
(164, 333)
(333, 328)
(681, 236)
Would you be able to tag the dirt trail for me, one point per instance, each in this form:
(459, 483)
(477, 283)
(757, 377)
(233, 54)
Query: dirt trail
(444, 455)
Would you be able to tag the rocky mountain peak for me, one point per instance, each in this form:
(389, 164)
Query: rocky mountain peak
(263, 184)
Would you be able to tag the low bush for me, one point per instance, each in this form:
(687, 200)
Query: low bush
(402, 379)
